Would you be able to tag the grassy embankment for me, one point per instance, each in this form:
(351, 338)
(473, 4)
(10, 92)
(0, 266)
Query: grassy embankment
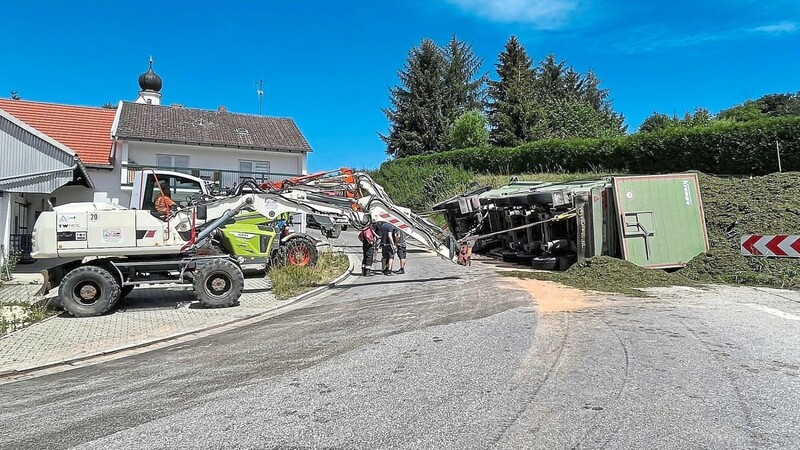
(733, 207)
(289, 281)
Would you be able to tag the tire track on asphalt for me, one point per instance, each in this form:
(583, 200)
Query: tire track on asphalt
(597, 419)
(556, 364)
(747, 413)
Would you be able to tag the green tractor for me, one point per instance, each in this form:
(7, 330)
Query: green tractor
(252, 237)
(248, 235)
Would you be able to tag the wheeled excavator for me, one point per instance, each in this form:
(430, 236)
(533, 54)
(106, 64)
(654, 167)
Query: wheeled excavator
(207, 236)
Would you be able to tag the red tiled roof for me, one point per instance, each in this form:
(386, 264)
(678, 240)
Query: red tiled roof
(85, 129)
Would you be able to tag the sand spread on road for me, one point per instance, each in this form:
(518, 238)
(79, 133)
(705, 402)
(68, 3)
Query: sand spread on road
(552, 297)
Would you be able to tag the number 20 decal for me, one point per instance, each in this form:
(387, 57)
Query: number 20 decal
(93, 217)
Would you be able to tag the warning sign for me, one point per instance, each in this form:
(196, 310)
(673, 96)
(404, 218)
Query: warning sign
(112, 235)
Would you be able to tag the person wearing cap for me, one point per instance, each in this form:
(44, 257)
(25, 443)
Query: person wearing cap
(164, 202)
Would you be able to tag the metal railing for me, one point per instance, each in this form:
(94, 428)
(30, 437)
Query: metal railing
(22, 246)
(223, 178)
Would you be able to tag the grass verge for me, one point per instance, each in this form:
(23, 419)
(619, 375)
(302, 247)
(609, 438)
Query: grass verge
(19, 314)
(289, 281)
(755, 205)
(611, 275)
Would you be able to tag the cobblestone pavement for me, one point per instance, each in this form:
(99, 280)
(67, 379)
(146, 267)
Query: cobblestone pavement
(147, 314)
(13, 292)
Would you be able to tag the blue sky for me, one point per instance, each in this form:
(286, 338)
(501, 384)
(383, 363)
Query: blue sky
(329, 64)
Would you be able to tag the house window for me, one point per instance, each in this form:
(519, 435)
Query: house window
(172, 161)
(257, 170)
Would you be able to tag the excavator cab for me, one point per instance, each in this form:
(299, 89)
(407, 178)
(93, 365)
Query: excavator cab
(148, 185)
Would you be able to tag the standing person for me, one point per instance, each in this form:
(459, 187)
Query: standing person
(388, 247)
(367, 238)
(400, 241)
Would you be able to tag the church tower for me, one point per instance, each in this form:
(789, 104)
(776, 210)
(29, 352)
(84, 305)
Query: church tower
(150, 83)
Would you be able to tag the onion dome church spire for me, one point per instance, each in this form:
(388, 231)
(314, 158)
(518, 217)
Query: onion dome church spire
(150, 83)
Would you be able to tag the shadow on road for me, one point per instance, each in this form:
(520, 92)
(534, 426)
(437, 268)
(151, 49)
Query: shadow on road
(385, 281)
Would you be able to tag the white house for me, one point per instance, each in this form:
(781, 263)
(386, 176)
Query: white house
(216, 145)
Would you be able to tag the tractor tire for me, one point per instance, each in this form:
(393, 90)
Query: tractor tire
(219, 283)
(89, 291)
(299, 252)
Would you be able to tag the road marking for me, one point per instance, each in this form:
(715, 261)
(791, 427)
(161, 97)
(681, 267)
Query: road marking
(773, 311)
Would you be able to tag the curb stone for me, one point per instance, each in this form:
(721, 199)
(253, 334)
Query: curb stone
(8, 376)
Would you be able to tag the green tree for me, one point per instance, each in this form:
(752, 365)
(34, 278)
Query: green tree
(417, 123)
(658, 121)
(437, 86)
(512, 112)
(771, 105)
(701, 118)
(469, 130)
(569, 99)
(464, 89)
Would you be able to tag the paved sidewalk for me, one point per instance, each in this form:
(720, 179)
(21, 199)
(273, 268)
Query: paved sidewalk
(147, 314)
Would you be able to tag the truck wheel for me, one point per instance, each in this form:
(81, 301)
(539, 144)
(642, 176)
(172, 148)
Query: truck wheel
(299, 252)
(88, 291)
(219, 283)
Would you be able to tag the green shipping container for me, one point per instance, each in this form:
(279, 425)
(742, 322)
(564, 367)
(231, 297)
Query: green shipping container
(661, 220)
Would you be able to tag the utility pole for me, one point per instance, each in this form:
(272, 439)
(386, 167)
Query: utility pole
(778, 151)
(260, 91)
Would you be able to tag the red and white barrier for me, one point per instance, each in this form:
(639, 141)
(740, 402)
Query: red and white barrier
(781, 245)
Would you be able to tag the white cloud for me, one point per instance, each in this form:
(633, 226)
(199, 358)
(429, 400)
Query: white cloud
(777, 28)
(649, 38)
(545, 14)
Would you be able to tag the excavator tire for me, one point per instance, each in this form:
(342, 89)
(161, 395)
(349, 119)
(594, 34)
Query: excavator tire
(219, 283)
(300, 252)
(88, 291)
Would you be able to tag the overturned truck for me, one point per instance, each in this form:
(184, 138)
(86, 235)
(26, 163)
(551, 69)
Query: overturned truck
(652, 221)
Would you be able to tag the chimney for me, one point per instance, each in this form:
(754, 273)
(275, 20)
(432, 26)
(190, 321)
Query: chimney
(222, 109)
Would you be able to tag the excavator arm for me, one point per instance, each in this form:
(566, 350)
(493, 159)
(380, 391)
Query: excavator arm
(364, 201)
(359, 201)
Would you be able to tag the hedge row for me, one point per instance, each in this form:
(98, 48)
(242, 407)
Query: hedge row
(721, 148)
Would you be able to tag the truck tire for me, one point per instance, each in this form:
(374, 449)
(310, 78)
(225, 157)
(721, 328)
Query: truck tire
(88, 291)
(300, 252)
(219, 283)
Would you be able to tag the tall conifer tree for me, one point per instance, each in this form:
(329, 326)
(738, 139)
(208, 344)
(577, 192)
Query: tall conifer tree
(417, 122)
(511, 109)
(437, 86)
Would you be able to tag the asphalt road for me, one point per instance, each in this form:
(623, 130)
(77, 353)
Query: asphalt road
(444, 357)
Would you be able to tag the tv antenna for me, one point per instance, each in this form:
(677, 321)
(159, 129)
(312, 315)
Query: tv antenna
(260, 92)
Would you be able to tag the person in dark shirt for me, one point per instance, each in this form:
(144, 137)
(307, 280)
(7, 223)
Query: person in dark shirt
(367, 238)
(400, 242)
(386, 231)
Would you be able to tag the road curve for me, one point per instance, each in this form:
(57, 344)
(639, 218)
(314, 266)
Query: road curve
(445, 357)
